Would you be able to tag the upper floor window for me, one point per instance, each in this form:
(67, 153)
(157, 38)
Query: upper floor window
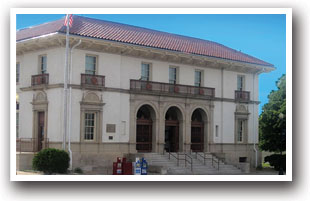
(90, 64)
(42, 64)
(172, 75)
(17, 72)
(145, 72)
(198, 75)
(240, 82)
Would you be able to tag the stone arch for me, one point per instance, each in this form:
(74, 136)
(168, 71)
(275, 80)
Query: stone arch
(206, 112)
(199, 130)
(174, 132)
(181, 109)
(146, 127)
(152, 105)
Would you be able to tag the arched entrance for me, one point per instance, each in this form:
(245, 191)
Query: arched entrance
(144, 131)
(172, 127)
(198, 130)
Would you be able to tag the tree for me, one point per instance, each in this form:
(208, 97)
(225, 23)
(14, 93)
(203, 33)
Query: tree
(272, 121)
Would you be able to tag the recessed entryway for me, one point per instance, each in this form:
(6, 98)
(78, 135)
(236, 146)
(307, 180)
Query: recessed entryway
(172, 127)
(198, 130)
(144, 130)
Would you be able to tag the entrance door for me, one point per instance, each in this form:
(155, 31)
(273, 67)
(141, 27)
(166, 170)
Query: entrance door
(197, 139)
(172, 136)
(144, 136)
(40, 130)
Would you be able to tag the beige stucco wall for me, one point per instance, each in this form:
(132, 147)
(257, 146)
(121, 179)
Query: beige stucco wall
(118, 70)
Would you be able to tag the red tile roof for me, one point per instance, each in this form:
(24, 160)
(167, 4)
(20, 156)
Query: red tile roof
(94, 28)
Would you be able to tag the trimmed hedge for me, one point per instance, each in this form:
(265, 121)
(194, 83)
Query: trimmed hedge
(51, 161)
(277, 161)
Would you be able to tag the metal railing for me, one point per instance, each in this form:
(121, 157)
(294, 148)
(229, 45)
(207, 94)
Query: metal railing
(242, 95)
(92, 80)
(39, 79)
(160, 87)
(215, 161)
(187, 158)
(31, 144)
(203, 156)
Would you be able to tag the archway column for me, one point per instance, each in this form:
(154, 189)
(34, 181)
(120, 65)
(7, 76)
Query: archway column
(210, 128)
(155, 136)
(132, 133)
(182, 135)
(188, 126)
(161, 127)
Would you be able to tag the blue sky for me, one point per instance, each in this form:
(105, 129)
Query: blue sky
(262, 36)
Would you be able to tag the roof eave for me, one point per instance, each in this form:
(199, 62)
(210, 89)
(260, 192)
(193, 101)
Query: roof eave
(259, 67)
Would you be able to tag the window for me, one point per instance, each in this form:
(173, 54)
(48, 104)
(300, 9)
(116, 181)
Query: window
(198, 78)
(216, 131)
(89, 126)
(145, 72)
(172, 75)
(91, 118)
(17, 72)
(241, 124)
(90, 64)
(42, 64)
(17, 119)
(240, 82)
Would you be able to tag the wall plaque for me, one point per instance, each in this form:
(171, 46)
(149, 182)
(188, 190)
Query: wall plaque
(110, 128)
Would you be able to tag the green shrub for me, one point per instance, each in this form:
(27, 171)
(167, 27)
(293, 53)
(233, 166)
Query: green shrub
(78, 170)
(277, 161)
(51, 161)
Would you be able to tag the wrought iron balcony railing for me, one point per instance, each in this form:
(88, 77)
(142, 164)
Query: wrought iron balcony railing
(92, 80)
(39, 79)
(160, 87)
(242, 95)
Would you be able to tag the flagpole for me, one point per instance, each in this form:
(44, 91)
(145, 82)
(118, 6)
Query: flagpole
(66, 85)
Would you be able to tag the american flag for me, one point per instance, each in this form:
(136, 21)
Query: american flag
(70, 20)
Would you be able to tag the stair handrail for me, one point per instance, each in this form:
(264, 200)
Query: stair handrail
(202, 155)
(189, 161)
(187, 158)
(216, 162)
(176, 157)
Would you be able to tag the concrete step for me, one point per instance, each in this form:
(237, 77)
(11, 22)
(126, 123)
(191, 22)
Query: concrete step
(199, 167)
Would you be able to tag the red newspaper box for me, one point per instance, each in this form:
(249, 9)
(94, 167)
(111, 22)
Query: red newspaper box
(127, 167)
(118, 167)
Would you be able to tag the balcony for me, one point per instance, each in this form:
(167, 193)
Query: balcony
(242, 96)
(166, 88)
(97, 81)
(41, 79)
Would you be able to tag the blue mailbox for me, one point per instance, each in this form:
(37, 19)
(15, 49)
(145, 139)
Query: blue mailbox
(143, 167)
(137, 168)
